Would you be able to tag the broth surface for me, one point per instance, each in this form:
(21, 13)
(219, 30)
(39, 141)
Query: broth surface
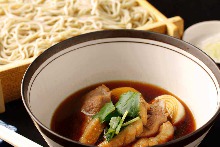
(68, 119)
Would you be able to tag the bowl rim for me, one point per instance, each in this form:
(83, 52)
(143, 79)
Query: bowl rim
(191, 28)
(196, 25)
(122, 33)
(208, 22)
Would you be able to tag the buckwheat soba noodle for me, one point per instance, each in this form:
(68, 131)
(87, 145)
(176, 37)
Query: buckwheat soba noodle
(28, 27)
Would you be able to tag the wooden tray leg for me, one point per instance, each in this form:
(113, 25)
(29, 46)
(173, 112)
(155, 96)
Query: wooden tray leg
(2, 102)
(175, 27)
(172, 29)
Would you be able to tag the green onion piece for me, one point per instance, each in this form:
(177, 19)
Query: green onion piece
(130, 121)
(121, 122)
(114, 122)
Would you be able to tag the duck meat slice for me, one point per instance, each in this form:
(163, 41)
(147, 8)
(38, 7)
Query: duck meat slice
(93, 102)
(92, 132)
(156, 117)
(126, 136)
(143, 110)
(166, 133)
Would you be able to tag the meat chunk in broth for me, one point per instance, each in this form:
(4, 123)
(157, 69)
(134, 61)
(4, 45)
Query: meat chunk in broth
(92, 132)
(143, 111)
(94, 101)
(166, 133)
(156, 117)
(126, 136)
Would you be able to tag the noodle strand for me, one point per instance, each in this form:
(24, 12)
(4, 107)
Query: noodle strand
(29, 27)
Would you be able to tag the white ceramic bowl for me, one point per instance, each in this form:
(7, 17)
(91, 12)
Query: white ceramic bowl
(122, 55)
(201, 33)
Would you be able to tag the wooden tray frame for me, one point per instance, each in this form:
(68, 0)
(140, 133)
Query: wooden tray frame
(11, 75)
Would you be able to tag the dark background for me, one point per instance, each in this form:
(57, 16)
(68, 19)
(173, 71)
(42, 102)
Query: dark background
(192, 11)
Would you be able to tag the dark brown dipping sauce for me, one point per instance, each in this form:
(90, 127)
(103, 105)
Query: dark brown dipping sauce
(68, 119)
